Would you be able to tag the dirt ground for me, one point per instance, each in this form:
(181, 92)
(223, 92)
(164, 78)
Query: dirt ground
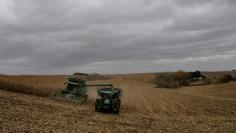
(210, 108)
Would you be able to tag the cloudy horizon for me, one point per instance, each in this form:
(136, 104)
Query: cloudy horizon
(116, 36)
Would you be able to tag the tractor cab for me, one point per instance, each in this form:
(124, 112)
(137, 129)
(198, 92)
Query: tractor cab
(109, 100)
(109, 92)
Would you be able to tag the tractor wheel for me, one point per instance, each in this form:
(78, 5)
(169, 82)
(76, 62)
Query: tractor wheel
(85, 97)
(116, 107)
(97, 105)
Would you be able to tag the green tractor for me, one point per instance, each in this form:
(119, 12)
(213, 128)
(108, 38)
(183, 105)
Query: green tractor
(76, 89)
(109, 100)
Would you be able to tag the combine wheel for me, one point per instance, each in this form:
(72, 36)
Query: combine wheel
(97, 105)
(116, 107)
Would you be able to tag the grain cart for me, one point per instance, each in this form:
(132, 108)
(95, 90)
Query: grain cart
(109, 100)
(76, 89)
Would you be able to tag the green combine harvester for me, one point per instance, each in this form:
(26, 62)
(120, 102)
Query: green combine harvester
(76, 89)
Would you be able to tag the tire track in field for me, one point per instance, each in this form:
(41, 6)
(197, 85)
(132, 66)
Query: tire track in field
(133, 97)
(149, 108)
(203, 105)
(156, 100)
(144, 96)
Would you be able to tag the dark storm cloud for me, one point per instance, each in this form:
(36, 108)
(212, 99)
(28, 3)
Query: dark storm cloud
(59, 36)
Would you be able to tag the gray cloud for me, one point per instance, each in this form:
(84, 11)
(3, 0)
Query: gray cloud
(125, 36)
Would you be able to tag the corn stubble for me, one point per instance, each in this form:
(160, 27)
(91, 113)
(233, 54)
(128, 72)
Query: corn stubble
(210, 108)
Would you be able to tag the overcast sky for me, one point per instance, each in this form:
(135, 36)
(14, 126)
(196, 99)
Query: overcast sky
(116, 36)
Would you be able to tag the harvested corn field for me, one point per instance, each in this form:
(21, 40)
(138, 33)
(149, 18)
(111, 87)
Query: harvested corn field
(209, 108)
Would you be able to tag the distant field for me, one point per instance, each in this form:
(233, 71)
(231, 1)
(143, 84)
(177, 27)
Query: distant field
(208, 108)
(218, 74)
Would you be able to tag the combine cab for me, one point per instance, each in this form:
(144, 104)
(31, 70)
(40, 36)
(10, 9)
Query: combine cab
(109, 100)
(75, 90)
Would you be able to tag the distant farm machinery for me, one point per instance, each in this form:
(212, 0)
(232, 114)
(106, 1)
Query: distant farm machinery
(76, 91)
